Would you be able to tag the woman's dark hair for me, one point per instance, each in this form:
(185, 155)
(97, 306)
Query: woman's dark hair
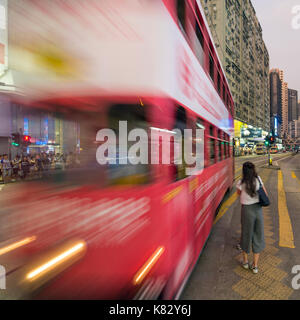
(249, 178)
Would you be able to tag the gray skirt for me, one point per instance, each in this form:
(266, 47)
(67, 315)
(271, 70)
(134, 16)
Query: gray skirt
(252, 228)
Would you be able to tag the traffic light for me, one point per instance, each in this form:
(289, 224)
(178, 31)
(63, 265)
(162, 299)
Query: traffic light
(272, 140)
(26, 140)
(15, 139)
(267, 141)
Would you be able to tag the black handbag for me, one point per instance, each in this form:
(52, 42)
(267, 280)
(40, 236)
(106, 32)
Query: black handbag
(263, 198)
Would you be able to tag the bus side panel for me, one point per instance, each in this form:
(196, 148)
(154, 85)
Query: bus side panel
(209, 189)
(178, 206)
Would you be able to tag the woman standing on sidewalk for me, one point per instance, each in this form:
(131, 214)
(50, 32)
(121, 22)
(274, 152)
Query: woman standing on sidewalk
(251, 215)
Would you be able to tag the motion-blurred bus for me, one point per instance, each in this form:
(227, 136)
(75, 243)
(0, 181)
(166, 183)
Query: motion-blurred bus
(75, 229)
(260, 149)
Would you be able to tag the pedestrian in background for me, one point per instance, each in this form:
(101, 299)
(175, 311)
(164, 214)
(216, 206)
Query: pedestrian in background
(15, 165)
(24, 167)
(6, 168)
(251, 216)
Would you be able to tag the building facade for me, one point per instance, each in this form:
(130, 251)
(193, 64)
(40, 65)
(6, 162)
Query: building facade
(292, 105)
(238, 37)
(276, 77)
(294, 128)
(285, 109)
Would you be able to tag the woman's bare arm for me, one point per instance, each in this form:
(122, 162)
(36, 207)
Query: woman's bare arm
(265, 190)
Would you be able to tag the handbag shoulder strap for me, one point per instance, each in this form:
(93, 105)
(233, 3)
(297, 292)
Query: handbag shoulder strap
(259, 180)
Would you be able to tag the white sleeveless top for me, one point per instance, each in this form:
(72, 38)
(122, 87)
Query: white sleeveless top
(245, 197)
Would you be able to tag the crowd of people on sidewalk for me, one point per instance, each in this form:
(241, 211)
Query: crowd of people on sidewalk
(33, 165)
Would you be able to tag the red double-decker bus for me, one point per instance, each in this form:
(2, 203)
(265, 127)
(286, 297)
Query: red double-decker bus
(74, 229)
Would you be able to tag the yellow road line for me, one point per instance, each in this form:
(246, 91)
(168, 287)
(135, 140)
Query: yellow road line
(286, 237)
(225, 206)
(295, 177)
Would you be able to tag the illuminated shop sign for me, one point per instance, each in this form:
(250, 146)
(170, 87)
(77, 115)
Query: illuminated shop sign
(251, 133)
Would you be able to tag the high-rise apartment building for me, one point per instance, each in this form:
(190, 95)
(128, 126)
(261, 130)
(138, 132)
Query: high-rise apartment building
(276, 78)
(285, 109)
(294, 128)
(238, 37)
(293, 105)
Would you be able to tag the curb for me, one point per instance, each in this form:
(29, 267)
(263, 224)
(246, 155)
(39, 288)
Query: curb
(272, 167)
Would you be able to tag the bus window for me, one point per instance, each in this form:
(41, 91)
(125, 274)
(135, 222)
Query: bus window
(212, 145)
(70, 156)
(220, 144)
(219, 83)
(211, 67)
(181, 14)
(199, 45)
(181, 124)
(226, 147)
(227, 101)
(200, 124)
(124, 174)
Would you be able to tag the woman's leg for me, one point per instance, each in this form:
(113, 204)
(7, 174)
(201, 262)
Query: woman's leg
(247, 229)
(255, 259)
(245, 257)
(258, 236)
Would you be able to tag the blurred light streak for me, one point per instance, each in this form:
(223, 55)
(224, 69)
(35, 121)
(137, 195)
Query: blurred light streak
(141, 274)
(16, 245)
(55, 261)
(162, 130)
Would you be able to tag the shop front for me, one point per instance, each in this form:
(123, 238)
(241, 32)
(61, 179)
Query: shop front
(247, 137)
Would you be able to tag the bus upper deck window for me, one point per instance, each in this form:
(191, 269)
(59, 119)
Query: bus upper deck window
(199, 45)
(181, 14)
(219, 83)
(211, 67)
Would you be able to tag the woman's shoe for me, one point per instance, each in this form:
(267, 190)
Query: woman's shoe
(254, 269)
(245, 265)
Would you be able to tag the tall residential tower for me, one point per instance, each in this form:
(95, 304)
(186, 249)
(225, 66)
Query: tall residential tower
(276, 79)
(238, 37)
